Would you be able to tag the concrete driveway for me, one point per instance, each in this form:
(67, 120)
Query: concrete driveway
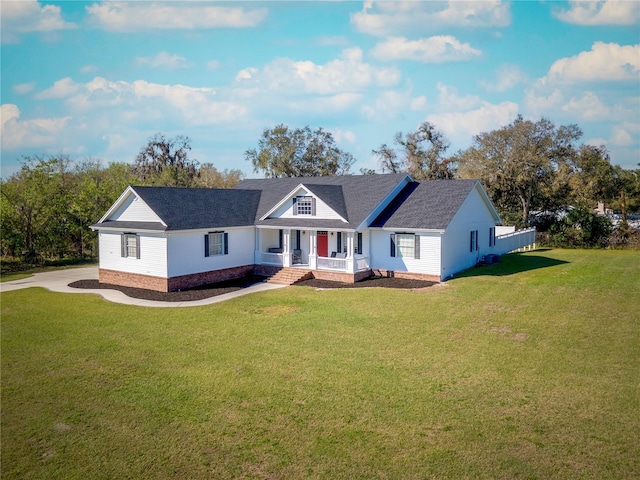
(59, 280)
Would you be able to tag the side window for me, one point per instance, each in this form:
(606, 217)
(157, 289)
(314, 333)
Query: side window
(216, 243)
(130, 245)
(405, 245)
(473, 241)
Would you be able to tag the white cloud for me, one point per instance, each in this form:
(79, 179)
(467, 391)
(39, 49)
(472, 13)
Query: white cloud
(140, 101)
(343, 136)
(171, 61)
(460, 127)
(29, 16)
(60, 89)
(587, 108)
(36, 132)
(388, 105)
(607, 12)
(418, 103)
(143, 16)
(213, 65)
(507, 77)
(438, 49)
(448, 99)
(346, 74)
(408, 17)
(325, 104)
(625, 134)
(24, 88)
(604, 62)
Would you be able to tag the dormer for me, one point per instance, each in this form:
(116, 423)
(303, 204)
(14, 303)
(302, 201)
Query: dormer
(324, 202)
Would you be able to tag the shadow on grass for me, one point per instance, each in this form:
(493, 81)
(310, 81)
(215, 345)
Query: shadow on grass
(511, 264)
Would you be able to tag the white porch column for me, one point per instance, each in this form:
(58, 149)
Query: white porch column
(351, 264)
(313, 250)
(286, 243)
(257, 254)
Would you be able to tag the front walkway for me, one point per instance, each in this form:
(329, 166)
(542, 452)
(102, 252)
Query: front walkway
(59, 280)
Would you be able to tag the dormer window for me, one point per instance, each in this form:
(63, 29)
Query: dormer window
(304, 206)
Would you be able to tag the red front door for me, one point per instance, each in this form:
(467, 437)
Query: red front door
(323, 245)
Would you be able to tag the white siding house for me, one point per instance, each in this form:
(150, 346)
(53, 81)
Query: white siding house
(341, 228)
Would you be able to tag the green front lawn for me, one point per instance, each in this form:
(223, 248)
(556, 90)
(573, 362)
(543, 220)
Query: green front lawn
(525, 369)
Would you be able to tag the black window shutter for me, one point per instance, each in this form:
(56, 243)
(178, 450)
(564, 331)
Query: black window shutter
(137, 246)
(226, 243)
(206, 245)
(313, 206)
(393, 245)
(476, 240)
(359, 243)
(280, 238)
(123, 245)
(295, 208)
(416, 249)
(339, 249)
(298, 239)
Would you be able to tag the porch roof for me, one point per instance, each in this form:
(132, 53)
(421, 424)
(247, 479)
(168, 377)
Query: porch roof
(304, 224)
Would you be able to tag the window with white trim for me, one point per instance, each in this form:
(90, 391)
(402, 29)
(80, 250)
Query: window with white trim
(130, 245)
(304, 206)
(216, 243)
(405, 245)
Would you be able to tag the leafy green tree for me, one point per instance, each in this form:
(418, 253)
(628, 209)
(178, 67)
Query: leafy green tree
(519, 164)
(582, 228)
(165, 162)
(299, 152)
(210, 177)
(421, 153)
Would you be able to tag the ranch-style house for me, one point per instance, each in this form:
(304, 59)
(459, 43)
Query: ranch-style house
(343, 228)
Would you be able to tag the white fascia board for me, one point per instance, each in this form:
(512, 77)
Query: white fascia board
(385, 201)
(208, 230)
(316, 196)
(281, 202)
(488, 202)
(441, 231)
(121, 230)
(129, 191)
(117, 203)
(324, 229)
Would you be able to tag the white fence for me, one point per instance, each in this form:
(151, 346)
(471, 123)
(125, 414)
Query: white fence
(518, 240)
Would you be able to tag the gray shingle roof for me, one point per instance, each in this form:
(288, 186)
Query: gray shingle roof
(189, 208)
(360, 194)
(428, 205)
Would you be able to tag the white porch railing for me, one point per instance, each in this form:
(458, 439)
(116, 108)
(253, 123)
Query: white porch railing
(362, 263)
(268, 258)
(343, 264)
(325, 263)
(521, 239)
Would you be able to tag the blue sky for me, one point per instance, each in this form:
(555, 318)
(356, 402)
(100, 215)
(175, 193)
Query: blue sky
(98, 79)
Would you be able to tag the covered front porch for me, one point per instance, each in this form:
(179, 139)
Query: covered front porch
(328, 250)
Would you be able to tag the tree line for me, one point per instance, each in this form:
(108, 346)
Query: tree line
(534, 172)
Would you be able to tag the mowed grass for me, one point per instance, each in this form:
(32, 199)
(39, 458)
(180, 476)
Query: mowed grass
(526, 369)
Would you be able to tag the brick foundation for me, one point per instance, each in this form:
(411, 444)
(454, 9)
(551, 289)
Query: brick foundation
(182, 282)
(341, 276)
(407, 275)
